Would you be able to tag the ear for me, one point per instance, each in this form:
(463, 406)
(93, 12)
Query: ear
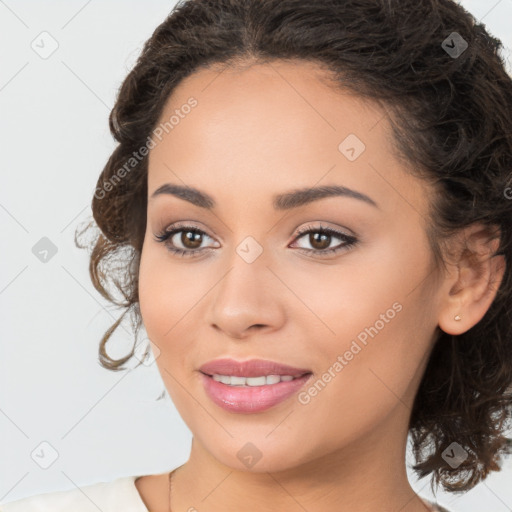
(474, 278)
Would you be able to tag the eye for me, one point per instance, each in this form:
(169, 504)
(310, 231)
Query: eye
(320, 238)
(190, 239)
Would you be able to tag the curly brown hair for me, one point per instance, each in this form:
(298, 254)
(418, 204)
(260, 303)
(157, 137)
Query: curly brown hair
(452, 122)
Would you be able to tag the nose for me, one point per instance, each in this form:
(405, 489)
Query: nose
(248, 298)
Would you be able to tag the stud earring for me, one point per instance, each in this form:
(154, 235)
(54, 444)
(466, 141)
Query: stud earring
(457, 318)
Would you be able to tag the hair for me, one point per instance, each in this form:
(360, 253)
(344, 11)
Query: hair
(451, 117)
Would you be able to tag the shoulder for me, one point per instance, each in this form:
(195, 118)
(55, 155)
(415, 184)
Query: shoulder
(105, 496)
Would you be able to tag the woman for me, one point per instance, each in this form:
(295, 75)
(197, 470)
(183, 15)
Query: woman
(316, 202)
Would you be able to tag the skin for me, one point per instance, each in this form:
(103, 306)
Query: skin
(257, 131)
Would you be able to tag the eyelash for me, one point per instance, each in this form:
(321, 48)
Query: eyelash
(166, 235)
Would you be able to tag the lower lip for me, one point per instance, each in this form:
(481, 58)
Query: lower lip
(247, 399)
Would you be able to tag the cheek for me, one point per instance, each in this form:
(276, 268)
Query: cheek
(379, 329)
(361, 383)
(365, 289)
(165, 293)
(172, 298)
(153, 299)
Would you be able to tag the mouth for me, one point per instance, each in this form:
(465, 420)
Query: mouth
(251, 386)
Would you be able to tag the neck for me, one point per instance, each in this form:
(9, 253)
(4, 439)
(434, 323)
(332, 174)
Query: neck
(368, 474)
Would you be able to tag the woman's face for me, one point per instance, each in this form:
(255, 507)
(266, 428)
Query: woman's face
(357, 309)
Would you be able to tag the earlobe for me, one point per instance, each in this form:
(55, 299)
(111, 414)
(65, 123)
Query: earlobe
(479, 274)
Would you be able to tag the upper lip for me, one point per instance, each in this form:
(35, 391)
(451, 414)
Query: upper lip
(250, 368)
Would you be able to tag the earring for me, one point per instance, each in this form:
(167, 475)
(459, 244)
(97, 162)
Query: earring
(457, 318)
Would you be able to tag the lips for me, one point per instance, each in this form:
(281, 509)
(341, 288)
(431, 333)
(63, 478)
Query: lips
(248, 399)
(251, 368)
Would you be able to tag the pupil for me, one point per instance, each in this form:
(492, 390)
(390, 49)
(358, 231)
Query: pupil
(191, 239)
(314, 239)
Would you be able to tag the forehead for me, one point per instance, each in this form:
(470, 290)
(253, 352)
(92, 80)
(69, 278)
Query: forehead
(275, 104)
(271, 125)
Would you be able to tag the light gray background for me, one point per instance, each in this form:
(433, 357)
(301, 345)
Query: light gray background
(55, 141)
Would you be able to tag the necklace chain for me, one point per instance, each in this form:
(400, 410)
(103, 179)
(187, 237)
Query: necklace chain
(170, 485)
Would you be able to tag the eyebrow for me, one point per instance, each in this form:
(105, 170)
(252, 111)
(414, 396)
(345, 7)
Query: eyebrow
(285, 201)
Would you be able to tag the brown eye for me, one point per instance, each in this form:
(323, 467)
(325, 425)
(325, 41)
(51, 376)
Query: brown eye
(191, 239)
(319, 241)
(321, 238)
(183, 240)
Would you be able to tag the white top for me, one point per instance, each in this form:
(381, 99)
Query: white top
(119, 494)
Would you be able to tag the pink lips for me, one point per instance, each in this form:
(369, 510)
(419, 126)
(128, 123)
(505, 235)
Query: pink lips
(250, 399)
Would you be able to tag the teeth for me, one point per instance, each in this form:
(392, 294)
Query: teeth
(232, 380)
